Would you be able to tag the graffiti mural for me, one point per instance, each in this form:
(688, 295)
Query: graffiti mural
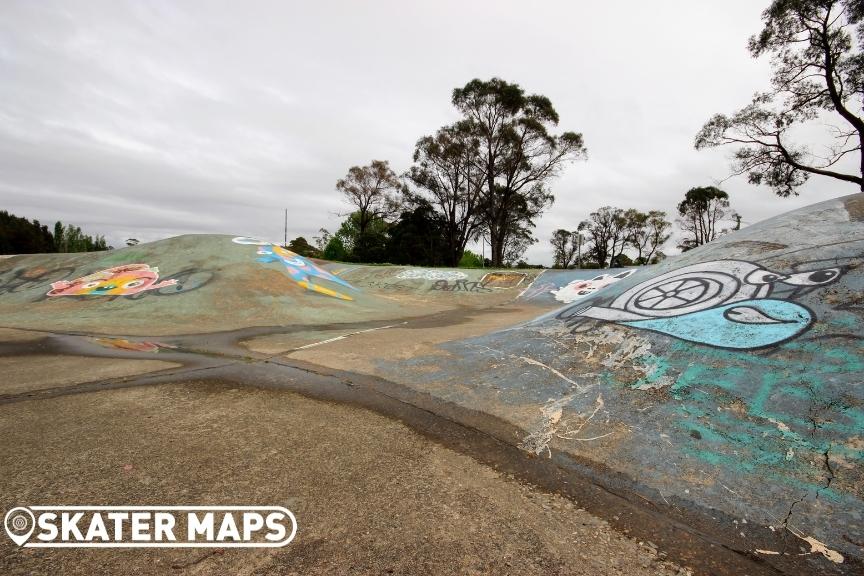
(22, 280)
(136, 346)
(300, 269)
(424, 274)
(124, 280)
(503, 279)
(459, 286)
(578, 289)
(537, 289)
(724, 304)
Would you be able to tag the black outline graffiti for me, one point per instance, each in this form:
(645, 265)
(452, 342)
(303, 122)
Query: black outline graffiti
(188, 280)
(23, 280)
(668, 286)
(459, 286)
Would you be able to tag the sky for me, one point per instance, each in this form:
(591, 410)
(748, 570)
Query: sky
(158, 118)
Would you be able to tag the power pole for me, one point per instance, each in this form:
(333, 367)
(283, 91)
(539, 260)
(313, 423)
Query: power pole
(285, 242)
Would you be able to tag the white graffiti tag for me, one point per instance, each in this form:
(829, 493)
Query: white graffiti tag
(425, 274)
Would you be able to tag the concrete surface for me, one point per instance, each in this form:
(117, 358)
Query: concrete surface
(395, 503)
(712, 404)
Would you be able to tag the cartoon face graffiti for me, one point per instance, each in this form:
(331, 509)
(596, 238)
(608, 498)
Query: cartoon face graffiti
(300, 269)
(578, 289)
(118, 281)
(724, 303)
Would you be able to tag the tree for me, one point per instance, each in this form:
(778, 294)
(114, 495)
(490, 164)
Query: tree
(418, 237)
(470, 260)
(516, 241)
(21, 236)
(646, 232)
(301, 246)
(565, 245)
(445, 168)
(335, 250)
(818, 70)
(658, 234)
(517, 156)
(373, 190)
(322, 239)
(370, 246)
(699, 213)
(606, 230)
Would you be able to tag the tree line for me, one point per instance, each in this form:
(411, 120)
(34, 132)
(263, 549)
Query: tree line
(486, 178)
(483, 178)
(614, 237)
(22, 236)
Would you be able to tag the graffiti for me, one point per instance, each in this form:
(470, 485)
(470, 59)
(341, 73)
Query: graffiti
(26, 279)
(38, 279)
(724, 304)
(186, 280)
(424, 274)
(578, 289)
(391, 286)
(300, 269)
(122, 280)
(537, 289)
(503, 279)
(459, 286)
(123, 344)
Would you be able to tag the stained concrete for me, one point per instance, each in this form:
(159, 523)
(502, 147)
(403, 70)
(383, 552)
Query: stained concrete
(733, 413)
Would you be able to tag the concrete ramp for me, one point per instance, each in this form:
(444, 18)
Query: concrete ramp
(721, 388)
(725, 382)
(209, 283)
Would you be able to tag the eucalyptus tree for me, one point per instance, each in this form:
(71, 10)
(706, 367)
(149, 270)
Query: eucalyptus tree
(446, 171)
(699, 214)
(517, 154)
(817, 59)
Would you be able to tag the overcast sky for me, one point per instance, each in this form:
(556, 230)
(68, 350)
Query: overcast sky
(153, 119)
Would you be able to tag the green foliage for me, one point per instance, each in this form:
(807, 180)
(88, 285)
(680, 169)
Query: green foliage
(700, 212)
(622, 261)
(72, 239)
(374, 190)
(606, 231)
(446, 172)
(566, 247)
(300, 246)
(470, 260)
(518, 155)
(418, 238)
(610, 231)
(335, 250)
(21, 236)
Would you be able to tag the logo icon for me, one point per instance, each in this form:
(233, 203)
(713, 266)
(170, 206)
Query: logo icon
(19, 523)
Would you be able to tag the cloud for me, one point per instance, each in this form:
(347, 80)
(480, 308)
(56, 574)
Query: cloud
(150, 119)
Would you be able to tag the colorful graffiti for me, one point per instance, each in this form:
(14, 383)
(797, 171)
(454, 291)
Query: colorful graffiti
(503, 279)
(425, 274)
(578, 289)
(136, 346)
(124, 280)
(724, 304)
(300, 269)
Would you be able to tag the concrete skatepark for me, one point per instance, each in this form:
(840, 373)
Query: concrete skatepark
(705, 414)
